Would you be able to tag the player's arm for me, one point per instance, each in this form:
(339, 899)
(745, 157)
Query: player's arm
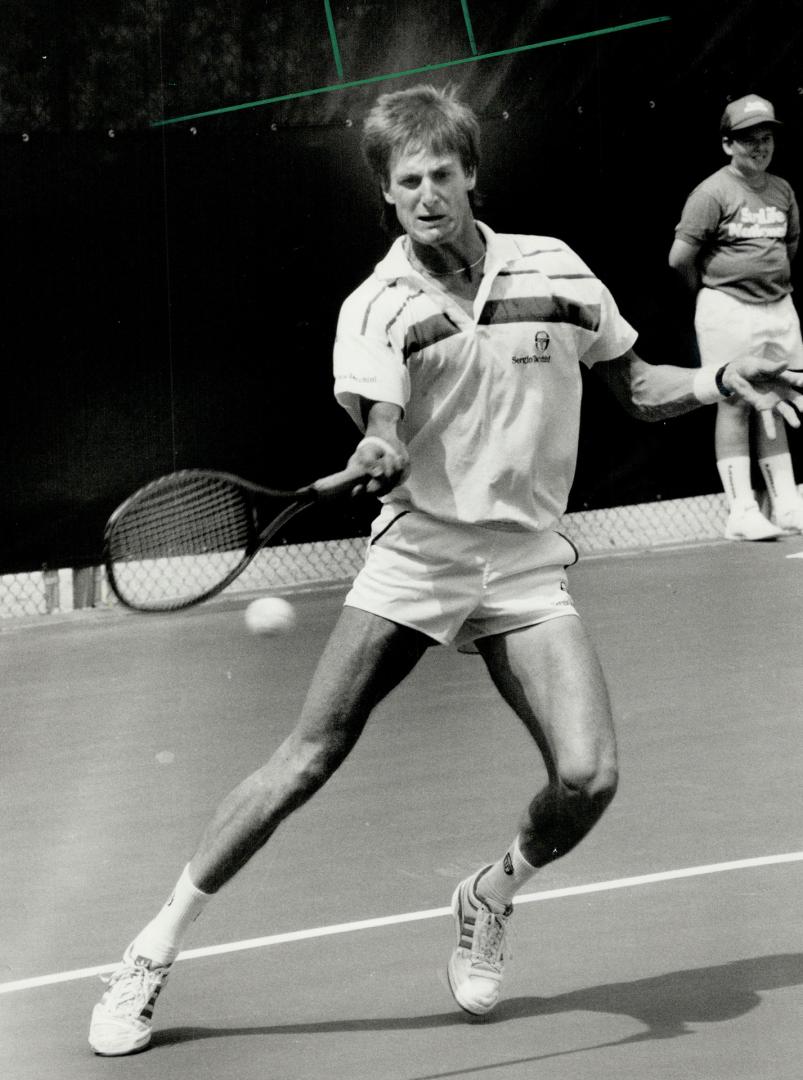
(683, 260)
(381, 452)
(659, 391)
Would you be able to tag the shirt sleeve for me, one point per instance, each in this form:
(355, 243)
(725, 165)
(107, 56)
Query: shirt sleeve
(700, 218)
(615, 335)
(366, 365)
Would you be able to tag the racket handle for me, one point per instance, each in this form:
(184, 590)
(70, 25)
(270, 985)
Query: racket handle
(339, 483)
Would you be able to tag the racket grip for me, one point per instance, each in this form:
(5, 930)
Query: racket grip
(339, 483)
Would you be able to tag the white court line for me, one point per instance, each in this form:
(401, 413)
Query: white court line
(415, 916)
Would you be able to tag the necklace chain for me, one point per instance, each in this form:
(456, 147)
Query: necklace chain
(447, 273)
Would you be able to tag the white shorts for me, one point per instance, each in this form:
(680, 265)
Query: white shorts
(456, 583)
(730, 329)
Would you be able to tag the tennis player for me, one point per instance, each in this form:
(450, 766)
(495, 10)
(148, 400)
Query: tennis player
(733, 247)
(459, 359)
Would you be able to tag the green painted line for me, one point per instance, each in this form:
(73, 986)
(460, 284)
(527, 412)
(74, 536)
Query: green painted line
(469, 28)
(330, 22)
(413, 71)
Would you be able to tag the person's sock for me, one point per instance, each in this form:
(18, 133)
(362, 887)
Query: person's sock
(160, 940)
(734, 472)
(779, 477)
(502, 881)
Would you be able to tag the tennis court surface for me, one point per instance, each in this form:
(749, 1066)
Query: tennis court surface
(668, 945)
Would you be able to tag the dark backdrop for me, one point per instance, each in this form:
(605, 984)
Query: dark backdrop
(171, 291)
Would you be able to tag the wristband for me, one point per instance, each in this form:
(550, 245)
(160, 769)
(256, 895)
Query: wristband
(704, 387)
(720, 384)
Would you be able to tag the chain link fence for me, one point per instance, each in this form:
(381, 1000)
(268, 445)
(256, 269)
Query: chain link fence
(285, 567)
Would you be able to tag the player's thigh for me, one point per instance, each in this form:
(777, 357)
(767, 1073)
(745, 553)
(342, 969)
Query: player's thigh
(365, 658)
(551, 676)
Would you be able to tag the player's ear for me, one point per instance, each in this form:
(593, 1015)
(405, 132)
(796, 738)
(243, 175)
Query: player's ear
(471, 180)
(386, 195)
(727, 145)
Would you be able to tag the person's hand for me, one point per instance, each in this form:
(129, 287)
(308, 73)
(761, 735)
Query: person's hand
(768, 387)
(386, 461)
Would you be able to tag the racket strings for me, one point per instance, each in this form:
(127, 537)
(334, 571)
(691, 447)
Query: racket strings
(197, 517)
(177, 542)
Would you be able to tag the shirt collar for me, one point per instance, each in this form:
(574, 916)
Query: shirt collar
(500, 250)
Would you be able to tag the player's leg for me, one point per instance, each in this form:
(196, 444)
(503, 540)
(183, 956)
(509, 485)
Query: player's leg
(550, 675)
(732, 444)
(775, 461)
(365, 658)
(725, 332)
(784, 504)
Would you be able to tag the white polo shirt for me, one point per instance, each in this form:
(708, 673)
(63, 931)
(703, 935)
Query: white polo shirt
(491, 401)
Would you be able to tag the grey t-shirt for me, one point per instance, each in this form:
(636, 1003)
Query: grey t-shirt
(742, 234)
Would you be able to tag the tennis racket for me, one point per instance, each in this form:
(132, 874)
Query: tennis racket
(186, 536)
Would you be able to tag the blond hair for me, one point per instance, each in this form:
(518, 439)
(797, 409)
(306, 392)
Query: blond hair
(421, 118)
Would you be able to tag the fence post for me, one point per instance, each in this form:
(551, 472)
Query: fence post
(84, 587)
(51, 583)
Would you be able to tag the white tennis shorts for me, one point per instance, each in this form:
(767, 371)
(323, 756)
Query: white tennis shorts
(730, 329)
(456, 583)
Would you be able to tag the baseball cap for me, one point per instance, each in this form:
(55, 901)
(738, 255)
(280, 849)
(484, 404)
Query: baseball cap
(747, 112)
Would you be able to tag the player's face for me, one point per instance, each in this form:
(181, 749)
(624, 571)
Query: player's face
(751, 151)
(430, 194)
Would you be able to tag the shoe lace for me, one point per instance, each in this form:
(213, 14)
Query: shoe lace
(130, 988)
(488, 948)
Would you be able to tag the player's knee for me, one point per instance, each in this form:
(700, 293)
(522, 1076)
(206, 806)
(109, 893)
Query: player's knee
(593, 781)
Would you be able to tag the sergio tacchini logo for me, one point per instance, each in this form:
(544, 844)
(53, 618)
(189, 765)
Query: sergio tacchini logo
(541, 355)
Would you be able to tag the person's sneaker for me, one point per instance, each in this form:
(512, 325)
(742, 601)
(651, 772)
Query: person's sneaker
(477, 963)
(122, 1019)
(748, 523)
(790, 519)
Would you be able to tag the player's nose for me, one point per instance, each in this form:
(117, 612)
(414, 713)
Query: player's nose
(429, 194)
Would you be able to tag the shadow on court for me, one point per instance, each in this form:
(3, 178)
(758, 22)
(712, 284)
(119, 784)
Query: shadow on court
(664, 1004)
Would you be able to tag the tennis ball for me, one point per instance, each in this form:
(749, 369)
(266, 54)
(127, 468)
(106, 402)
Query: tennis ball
(269, 616)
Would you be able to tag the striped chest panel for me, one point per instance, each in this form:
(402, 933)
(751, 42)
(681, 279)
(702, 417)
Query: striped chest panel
(413, 319)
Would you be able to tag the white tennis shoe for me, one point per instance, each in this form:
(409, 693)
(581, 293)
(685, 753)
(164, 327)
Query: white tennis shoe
(790, 518)
(122, 1019)
(748, 523)
(477, 964)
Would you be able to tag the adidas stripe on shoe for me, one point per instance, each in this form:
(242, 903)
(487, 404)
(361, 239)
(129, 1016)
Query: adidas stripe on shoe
(122, 1020)
(477, 963)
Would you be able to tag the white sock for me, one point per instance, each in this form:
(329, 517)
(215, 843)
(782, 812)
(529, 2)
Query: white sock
(780, 480)
(160, 940)
(734, 472)
(503, 880)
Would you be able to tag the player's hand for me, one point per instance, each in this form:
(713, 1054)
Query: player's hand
(769, 388)
(386, 461)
